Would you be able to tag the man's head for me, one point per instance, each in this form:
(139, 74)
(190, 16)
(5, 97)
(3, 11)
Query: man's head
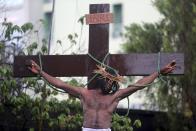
(105, 80)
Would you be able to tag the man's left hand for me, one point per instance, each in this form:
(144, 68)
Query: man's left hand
(168, 68)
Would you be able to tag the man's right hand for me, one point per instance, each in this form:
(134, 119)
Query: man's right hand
(34, 67)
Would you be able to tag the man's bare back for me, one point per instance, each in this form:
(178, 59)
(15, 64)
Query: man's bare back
(98, 109)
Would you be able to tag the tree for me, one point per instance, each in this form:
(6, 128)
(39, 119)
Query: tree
(26, 101)
(174, 33)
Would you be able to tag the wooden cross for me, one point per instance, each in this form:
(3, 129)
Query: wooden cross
(83, 65)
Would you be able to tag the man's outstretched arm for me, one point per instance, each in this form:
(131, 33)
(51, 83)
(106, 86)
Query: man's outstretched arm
(75, 91)
(122, 93)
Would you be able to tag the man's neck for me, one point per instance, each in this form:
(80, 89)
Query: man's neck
(97, 91)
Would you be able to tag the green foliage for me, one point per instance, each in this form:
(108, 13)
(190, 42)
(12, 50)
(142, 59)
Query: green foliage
(16, 104)
(174, 33)
(26, 27)
(31, 48)
(81, 20)
(123, 123)
(141, 38)
(70, 117)
(137, 123)
(44, 48)
(1, 46)
(10, 29)
(72, 122)
(31, 129)
(72, 38)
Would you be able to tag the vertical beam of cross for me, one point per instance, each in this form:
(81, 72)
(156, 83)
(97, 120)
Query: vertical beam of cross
(98, 39)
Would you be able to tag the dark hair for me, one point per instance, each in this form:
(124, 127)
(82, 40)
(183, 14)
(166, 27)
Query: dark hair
(103, 83)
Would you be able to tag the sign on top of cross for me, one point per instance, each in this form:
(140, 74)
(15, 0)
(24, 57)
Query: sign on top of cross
(83, 65)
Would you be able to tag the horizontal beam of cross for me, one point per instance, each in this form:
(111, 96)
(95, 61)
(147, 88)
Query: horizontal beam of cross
(77, 65)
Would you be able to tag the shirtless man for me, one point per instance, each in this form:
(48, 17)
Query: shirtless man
(98, 103)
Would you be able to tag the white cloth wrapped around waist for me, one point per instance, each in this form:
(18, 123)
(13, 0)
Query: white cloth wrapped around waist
(92, 129)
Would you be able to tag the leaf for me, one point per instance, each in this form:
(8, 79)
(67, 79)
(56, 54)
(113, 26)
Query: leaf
(2, 46)
(31, 129)
(35, 110)
(74, 42)
(59, 42)
(42, 21)
(75, 35)
(137, 123)
(16, 28)
(44, 49)
(54, 93)
(81, 20)
(26, 27)
(44, 41)
(45, 115)
(8, 31)
(4, 70)
(70, 36)
(32, 47)
(51, 123)
(73, 82)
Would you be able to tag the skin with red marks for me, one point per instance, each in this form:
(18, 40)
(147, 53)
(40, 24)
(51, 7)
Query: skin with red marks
(98, 107)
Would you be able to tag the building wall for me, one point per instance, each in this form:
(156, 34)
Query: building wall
(21, 11)
(17, 13)
(68, 12)
(35, 10)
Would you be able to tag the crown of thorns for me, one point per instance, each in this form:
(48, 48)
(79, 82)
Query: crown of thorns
(105, 74)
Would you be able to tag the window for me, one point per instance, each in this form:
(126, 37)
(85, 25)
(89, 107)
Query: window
(47, 1)
(48, 22)
(117, 21)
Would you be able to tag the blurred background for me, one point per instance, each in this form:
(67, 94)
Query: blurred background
(58, 27)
